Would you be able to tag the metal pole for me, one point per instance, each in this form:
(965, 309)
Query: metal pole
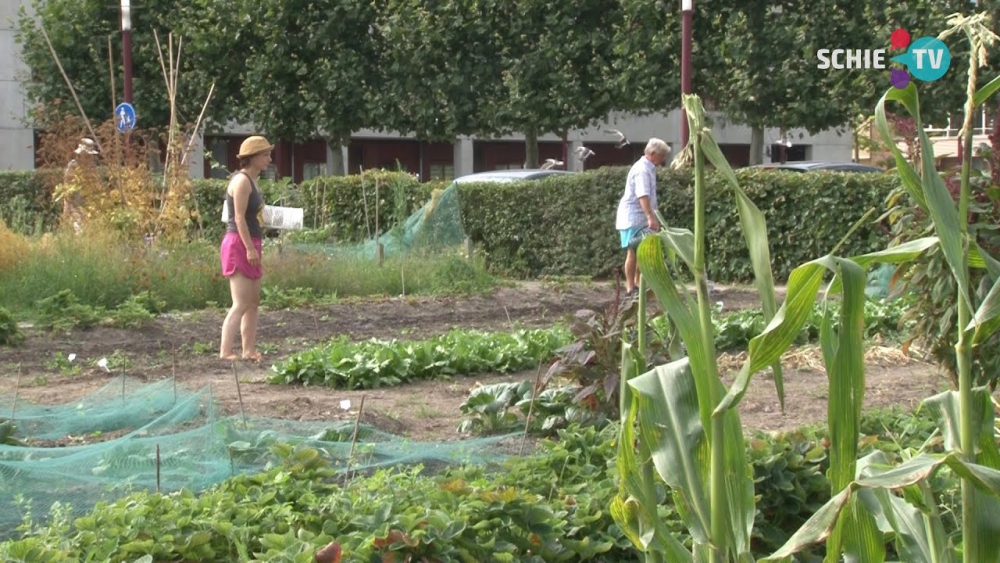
(687, 13)
(127, 47)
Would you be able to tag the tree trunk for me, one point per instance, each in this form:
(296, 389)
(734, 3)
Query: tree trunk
(337, 165)
(531, 148)
(756, 145)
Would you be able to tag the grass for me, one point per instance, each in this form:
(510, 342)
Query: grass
(102, 269)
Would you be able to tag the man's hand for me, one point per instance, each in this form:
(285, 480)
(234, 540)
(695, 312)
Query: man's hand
(654, 225)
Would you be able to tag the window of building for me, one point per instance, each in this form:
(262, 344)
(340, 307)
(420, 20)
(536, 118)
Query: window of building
(219, 158)
(312, 170)
(442, 171)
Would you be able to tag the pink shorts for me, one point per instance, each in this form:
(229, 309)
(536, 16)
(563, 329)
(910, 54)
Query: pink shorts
(234, 257)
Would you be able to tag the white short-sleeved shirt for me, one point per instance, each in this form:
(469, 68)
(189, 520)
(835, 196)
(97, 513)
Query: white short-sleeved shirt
(641, 181)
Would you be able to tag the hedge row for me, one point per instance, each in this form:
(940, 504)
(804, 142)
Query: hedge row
(566, 225)
(563, 225)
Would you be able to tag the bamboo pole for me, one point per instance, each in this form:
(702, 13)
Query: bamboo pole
(71, 89)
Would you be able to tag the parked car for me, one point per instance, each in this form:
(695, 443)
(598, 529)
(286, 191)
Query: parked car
(513, 175)
(809, 166)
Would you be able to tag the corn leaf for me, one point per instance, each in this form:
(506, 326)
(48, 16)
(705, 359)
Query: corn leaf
(913, 472)
(979, 258)
(651, 263)
(986, 91)
(987, 318)
(637, 514)
(919, 536)
(755, 232)
(669, 421)
(802, 289)
(937, 200)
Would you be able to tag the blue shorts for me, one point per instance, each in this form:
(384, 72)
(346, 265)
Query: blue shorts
(632, 236)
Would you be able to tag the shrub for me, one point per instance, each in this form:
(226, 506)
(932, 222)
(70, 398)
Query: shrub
(10, 334)
(929, 281)
(565, 225)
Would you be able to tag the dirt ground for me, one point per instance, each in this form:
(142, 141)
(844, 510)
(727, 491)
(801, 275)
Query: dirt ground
(187, 346)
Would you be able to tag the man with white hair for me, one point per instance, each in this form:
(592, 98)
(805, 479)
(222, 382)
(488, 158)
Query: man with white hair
(636, 210)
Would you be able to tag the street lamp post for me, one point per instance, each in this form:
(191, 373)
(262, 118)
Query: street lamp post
(687, 11)
(127, 47)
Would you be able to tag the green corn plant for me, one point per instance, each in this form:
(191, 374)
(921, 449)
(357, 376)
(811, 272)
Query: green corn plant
(698, 453)
(966, 416)
(681, 421)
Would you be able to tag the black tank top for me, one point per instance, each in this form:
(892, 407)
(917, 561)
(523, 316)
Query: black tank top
(254, 214)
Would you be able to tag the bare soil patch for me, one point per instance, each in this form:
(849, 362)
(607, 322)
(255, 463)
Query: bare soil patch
(186, 346)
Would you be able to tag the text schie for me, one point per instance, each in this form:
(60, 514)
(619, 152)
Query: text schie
(851, 58)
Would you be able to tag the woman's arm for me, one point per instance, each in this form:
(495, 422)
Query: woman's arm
(240, 189)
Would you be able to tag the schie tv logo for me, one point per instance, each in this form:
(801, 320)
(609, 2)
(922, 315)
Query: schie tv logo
(927, 59)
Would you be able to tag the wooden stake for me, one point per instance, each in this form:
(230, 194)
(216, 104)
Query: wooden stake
(197, 125)
(232, 464)
(531, 408)
(470, 248)
(173, 371)
(157, 468)
(71, 89)
(239, 394)
(111, 75)
(357, 424)
(17, 389)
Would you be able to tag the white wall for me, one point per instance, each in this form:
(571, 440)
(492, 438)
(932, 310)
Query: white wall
(17, 148)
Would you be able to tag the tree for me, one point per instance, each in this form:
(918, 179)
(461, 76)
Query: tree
(80, 31)
(439, 67)
(769, 75)
(557, 61)
(312, 71)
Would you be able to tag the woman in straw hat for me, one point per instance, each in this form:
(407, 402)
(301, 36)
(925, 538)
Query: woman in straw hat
(241, 248)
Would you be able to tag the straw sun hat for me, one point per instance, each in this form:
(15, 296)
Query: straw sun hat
(254, 145)
(86, 146)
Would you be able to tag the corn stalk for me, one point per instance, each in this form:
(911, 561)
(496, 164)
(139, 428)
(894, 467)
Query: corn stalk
(681, 418)
(966, 416)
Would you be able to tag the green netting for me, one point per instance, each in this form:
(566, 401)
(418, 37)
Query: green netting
(435, 227)
(197, 448)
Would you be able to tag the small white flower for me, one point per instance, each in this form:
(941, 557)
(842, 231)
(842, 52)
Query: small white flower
(345, 404)
(71, 357)
(719, 305)
(103, 364)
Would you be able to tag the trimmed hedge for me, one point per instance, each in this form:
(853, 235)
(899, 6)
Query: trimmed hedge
(26, 204)
(564, 225)
(339, 196)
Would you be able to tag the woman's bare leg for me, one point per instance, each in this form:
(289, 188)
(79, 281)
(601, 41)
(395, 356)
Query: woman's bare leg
(248, 327)
(242, 290)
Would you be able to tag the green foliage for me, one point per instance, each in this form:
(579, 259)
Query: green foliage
(449, 75)
(137, 310)
(63, 311)
(735, 330)
(342, 206)
(557, 498)
(374, 363)
(487, 408)
(10, 334)
(26, 205)
(807, 214)
(935, 294)
(789, 91)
